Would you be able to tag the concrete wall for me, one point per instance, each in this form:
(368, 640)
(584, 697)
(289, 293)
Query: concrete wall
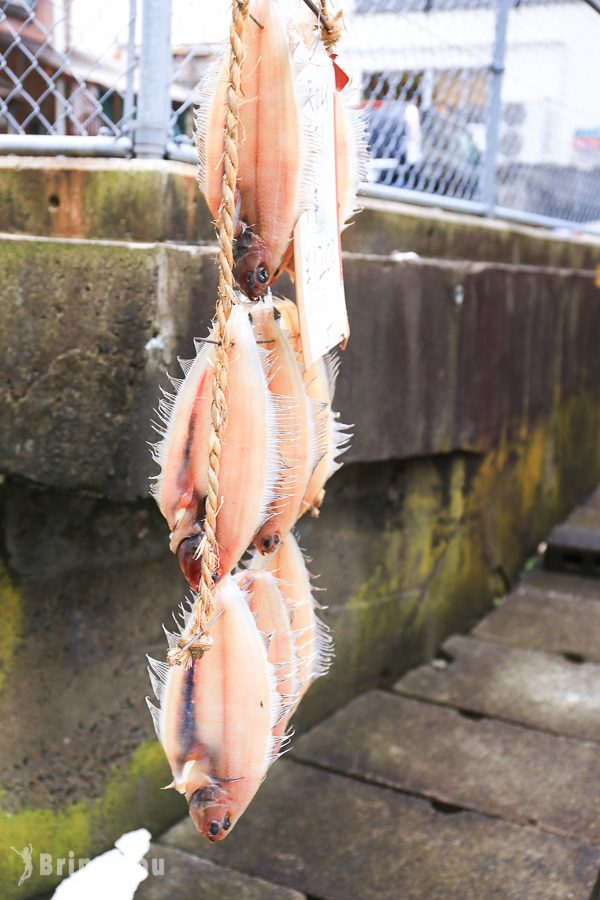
(474, 387)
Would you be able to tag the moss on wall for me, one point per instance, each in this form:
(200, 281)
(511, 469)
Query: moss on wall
(11, 617)
(429, 542)
(131, 200)
(131, 798)
(477, 423)
(424, 544)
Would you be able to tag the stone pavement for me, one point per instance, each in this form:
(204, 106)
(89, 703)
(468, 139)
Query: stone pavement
(476, 777)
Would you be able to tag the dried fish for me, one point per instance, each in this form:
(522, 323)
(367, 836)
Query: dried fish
(216, 717)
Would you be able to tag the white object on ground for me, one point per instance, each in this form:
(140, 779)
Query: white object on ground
(115, 874)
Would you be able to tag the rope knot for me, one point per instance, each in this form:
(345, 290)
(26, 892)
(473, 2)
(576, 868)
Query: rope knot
(189, 649)
(331, 27)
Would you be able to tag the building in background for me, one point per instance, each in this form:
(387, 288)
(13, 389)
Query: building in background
(48, 84)
(441, 49)
(64, 69)
(437, 53)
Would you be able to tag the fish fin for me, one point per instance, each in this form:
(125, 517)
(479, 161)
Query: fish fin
(354, 122)
(176, 382)
(160, 668)
(156, 717)
(204, 99)
(273, 462)
(267, 637)
(310, 148)
(186, 610)
(332, 363)
(280, 744)
(172, 639)
(320, 432)
(274, 695)
(200, 343)
(341, 440)
(166, 411)
(325, 650)
(186, 365)
(157, 686)
(159, 676)
(289, 411)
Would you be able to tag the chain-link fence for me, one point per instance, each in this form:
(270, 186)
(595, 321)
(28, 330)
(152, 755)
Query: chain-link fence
(487, 106)
(67, 70)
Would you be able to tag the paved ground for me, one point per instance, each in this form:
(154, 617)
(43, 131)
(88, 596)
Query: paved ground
(476, 777)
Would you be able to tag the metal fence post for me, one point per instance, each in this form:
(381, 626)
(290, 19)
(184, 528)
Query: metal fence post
(152, 123)
(129, 98)
(492, 129)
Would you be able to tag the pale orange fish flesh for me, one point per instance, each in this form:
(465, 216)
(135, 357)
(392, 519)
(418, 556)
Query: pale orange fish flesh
(275, 152)
(351, 154)
(272, 612)
(216, 717)
(314, 643)
(320, 380)
(301, 439)
(248, 466)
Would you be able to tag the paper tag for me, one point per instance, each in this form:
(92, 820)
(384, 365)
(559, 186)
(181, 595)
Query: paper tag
(317, 251)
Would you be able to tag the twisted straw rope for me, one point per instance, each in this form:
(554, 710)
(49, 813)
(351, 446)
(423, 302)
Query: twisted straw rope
(196, 639)
(331, 27)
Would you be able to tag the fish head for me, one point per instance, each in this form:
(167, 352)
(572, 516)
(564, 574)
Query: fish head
(251, 266)
(211, 809)
(264, 318)
(267, 540)
(187, 554)
(186, 536)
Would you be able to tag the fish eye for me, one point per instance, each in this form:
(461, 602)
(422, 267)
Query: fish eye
(226, 823)
(214, 828)
(276, 539)
(267, 543)
(262, 275)
(186, 557)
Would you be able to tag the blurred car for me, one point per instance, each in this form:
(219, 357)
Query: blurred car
(449, 159)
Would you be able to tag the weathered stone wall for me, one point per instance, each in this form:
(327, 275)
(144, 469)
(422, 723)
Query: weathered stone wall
(151, 200)
(474, 388)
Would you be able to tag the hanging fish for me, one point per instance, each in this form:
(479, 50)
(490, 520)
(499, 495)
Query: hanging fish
(302, 440)
(314, 643)
(276, 153)
(272, 612)
(181, 414)
(216, 717)
(248, 467)
(351, 154)
(320, 380)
